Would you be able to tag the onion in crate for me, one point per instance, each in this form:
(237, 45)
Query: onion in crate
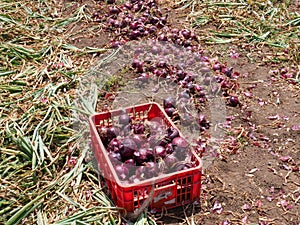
(160, 151)
(122, 171)
(124, 119)
(127, 148)
(114, 145)
(180, 146)
(170, 160)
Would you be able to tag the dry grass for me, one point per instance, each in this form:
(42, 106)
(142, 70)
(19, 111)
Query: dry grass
(39, 71)
(260, 23)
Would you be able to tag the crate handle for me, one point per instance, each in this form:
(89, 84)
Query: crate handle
(164, 192)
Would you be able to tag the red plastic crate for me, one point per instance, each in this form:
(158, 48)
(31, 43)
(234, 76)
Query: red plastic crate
(171, 190)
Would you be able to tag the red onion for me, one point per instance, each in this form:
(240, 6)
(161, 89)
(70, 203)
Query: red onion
(172, 133)
(112, 132)
(139, 139)
(114, 145)
(134, 25)
(155, 126)
(180, 146)
(217, 66)
(160, 151)
(184, 94)
(150, 154)
(219, 79)
(169, 102)
(174, 31)
(128, 5)
(141, 156)
(154, 20)
(162, 37)
(151, 169)
(179, 142)
(186, 34)
(114, 10)
(233, 101)
(181, 75)
(152, 29)
(140, 173)
(128, 147)
(124, 119)
(170, 160)
(134, 179)
(191, 87)
(228, 71)
(130, 162)
(202, 121)
(102, 131)
(126, 130)
(136, 7)
(169, 148)
(207, 80)
(170, 111)
(122, 171)
(143, 77)
(115, 157)
(138, 128)
(134, 35)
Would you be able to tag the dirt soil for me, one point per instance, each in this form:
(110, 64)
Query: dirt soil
(258, 182)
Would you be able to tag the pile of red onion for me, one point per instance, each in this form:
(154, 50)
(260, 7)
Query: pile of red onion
(137, 20)
(132, 20)
(141, 150)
